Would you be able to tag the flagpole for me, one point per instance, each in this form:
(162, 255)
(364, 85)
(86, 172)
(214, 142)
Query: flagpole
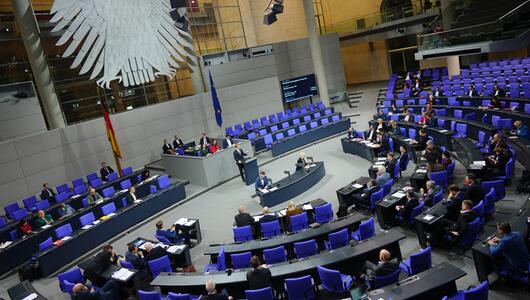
(116, 158)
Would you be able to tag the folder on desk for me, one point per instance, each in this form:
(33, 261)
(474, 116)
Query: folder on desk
(428, 217)
(46, 226)
(357, 186)
(181, 221)
(96, 222)
(479, 163)
(307, 207)
(123, 274)
(5, 244)
(86, 227)
(104, 218)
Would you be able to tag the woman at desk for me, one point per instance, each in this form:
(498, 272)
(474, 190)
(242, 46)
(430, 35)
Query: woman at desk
(43, 219)
(214, 147)
(495, 103)
(24, 227)
(292, 210)
(301, 163)
(392, 127)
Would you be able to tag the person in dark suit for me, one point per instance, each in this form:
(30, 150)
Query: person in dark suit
(239, 157)
(390, 164)
(454, 202)
(403, 158)
(438, 92)
(473, 190)
(509, 250)
(301, 162)
(406, 210)
(422, 139)
(213, 294)
(384, 267)
(363, 199)
(177, 143)
(204, 141)
(101, 262)
(432, 152)
(432, 189)
(262, 181)
(495, 103)
(227, 142)
(105, 171)
(167, 148)
(467, 215)
(351, 133)
(383, 145)
(47, 193)
(496, 141)
(107, 292)
(243, 218)
(171, 234)
(370, 134)
(498, 92)
(135, 257)
(381, 125)
(267, 216)
(446, 159)
(496, 163)
(153, 253)
(130, 197)
(472, 92)
(259, 277)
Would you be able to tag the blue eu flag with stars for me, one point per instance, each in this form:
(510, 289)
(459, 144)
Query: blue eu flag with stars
(216, 105)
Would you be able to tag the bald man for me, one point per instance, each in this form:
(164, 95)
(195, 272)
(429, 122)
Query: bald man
(213, 294)
(243, 218)
(82, 292)
(385, 266)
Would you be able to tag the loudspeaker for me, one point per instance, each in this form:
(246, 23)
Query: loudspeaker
(178, 3)
(269, 18)
(277, 8)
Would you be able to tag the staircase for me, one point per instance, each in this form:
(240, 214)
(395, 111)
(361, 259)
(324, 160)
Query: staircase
(354, 98)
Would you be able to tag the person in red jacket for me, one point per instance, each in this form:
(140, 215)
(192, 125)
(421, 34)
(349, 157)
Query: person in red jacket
(24, 227)
(214, 147)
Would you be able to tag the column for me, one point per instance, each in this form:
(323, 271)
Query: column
(196, 76)
(316, 52)
(41, 72)
(453, 65)
(448, 13)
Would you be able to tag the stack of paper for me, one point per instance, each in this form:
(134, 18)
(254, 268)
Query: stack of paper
(381, 159)
(379, 163)
(282, 212)
(175, 248)
(111, 215)
(428, 217)
(398, 194)
(31, 296)
(312, 165)
(66, 238)
(5, 244)
(181, 221)
(96, 222)
(190, 222)
(264, 191)
(272, 189)
(137, 201)
(357, 186)
(421, 171)
(75, 196)
(307, 207)
(479, 162)
(123, 274)
(46, 226)
(86, 227)
(444, 130)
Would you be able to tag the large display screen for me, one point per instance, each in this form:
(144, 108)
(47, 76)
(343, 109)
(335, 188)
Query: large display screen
(299, 88)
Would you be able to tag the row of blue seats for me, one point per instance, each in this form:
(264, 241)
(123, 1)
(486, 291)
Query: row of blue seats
(514, 105)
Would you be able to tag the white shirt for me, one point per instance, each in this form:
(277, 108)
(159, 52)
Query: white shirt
(229, 141)
(133, 196)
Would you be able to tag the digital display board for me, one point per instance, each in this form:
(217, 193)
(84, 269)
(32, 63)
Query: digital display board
(299, 88)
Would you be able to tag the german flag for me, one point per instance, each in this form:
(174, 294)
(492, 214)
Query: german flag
(111, 135)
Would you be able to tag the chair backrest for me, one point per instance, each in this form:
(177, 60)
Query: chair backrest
(46, 244)
(324, 121)
(461, 128)
(80, 189)
(420, 261)
(338, 239)
(127, 171)
(412, 133)
(263, 132)
(489, 202)
(143, 295)
(29, 203)
(108, 209)
(259, 294)
(96, 182)
(13, 235)
(291, 132)
(416, 211)
(323, 213)
(61, 197)
(479, 292)
(68, 279)
(163, 182)
(162, 264)
(270, 229)
(307, 118)
(375, 197)
(11, 207)
(268, 139)
(275, 255)
(126, 265)
(299, 222)
(470, 234)
(296, 121)
(62, 188)
(387, 187)
(306, 248)
(479, 208)
(300, 288)
(335, 118)
(313, 125)
(331, 279)
(280, 136)
(243, 234)
(78, 182)
(19, 214)
(498, 185)
(221, 260)
(113, 176)
(125, 184)
(274, 128)
(380, 281)
(285, 125)
(367, 229)
(302, 128)
(440, 178)
(173, 296)
(438, 197)
(241, 260)
(108, 192)
(63, 231)
(87, 219)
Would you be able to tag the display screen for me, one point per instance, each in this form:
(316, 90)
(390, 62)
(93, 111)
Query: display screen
(299, 88)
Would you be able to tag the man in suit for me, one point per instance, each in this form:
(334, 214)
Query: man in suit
(432, 152)
(384, 267)
(364, 198)
(105, 171)
(47, 193)
(262, 181)
(406, 210)
(243, 218)
(81, 292)
(382, 176)
(171, 234)
(93, 197)
(177, 143)
(370, 134)
(227, 142)
(167, 148)
(135, 257)
(497, 141)
(351, 133)
(454, 202)
(239, 157)
(213, 294)
(383, 144)
(153, 252)
(130, 197)
(259, 277)
(496, 163)
(390, 164)
(301, 162)
(509, 250)
(432, 189)
(403, 158)
(474, 191)
(472, 92)
(498, 92)
(467, 215)
(101, 262)
(519, 129)
(422, 139)
(267, 216)
(204, 141)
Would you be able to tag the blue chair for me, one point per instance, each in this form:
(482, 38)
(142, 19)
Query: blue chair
(381, 281)
(126, 184)
(152, 189)
(438, 197)
(387, 187)
(417, 262)
(275, 255)
(87, 219)
(296, 121)
(285, 125)
(243, 234)
(458, 113)
(306, 248)
(469, 237)
(333, 281)
(440, 122)
(451, 170)
(479, 209)
(96, 182)
(279, 136)
(252, 136)
(63, 188)
(270, 229)
(127, 171)
(323, 213)
(247, 126)
(440, 178)
(19, 214)
(162, 239)
(412, 133)
(11, 208)
(174, 296)
(159, 265)
(13, 235)
(113, 176)
(479, 292)
(300, 288)
(302, 129)
(499, 187)
(78, 182)
(307, 118)
(262, 132)
(489, 202)
(48, 243)
(415, 212)
(63, 231)
(324, 121)
(338, 239)
(366, 230)
(461, 131)
(3, 222)
(376, 197)
(163, 182)
(260, 294)
(241, 260)
(68, 279)
(108, 192)
(397, 171)
(29, 203)
(80, 189)
(144, 295)
(220, 265)
(299, 222)
(108, 209)
(313, 125)
(62, 197)
(274, 128)
(268, 140)
(291, 132)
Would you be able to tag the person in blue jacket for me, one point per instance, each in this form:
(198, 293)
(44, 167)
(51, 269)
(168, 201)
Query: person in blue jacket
(262, 181)
(520, 129)
(509, 250)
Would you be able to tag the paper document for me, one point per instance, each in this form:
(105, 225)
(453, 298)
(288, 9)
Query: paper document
(96, 222)
(479, 162)
(111, 215)
(175, 248)
(137, 201)
(421, 171)
(398, 194)
(181, 221)
(428, 217)
(381, 159)
(123, 191)
(282, 212)
(122, 274)
(379, 163)
(357, 186)
(407, 140)
(257, 218)
(99, 201)
(264, 191)
(66, 238)
(307, 207)
(30, 296)
(75, 196)
(190, 222)
(5, 244)
(272, 189)
(444, 130)
(86, 227)
(46, 226)
(312, 165)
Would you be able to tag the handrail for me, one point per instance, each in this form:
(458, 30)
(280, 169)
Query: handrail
(434, 20)
(512, 11)
(459, 29)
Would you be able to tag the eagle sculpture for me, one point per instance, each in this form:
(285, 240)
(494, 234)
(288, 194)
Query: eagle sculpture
(133, 41)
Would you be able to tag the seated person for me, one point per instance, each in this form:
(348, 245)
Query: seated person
(471, 92)
(105, 171)
(213, 294)
(432, 152)
(394, 109)
(498, 92)
(292, 209)
(65, 210)
(382, 143)
(496, 163)
(390, 164)
(135, 257)
(473, 190)
(427, 196)
(93, 197)
(130, 197)
(351, 133)
(214, 147)
(509, 250)
(259, 277)
(454, 202)
(243, 218)
(204, 141)
(145, 174)
(406, 210)
(262, 181)
(403, 158)
(370, 134)
(23, 227)
(381, 125)
(382, 176)
(177, 143)
(267, 216)
(407, 116)
(47, 193)
(467, 215)
(107, 292)
(170, 234)
(227, 142)
(385, 266)
(520, 129)
(446, 159)
(380, 115)
(43, 219)
(422, 139)
(167, 148)
(434, 166)
(497, 141)
(363, 199)
(101, 262)
(301, 162)
(495, 103)
(438, 92)
(392, 127)
(152, 252)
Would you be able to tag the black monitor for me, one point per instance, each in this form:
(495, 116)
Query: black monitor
(299, 88)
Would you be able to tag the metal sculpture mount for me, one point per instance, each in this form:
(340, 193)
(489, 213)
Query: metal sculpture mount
(132, 41)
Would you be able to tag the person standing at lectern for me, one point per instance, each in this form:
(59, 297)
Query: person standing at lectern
(301, 163)
(239, 157)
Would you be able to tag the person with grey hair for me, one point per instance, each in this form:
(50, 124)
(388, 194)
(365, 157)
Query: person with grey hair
(382, 176)
(243, 218)
(213, 294)
(267, 216)
(427, 196)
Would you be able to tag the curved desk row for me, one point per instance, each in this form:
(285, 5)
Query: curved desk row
(293, 185)
(85, 240)
(358, 148)
(348, 259)
(475, 101)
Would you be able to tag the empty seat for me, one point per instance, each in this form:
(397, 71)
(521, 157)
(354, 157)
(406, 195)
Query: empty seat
(275, 255)
(29, 203)
(112, 176)
(270, 229)
(108, 209)
(63, 188)
(279, 136)
(108, 192)
(306, 248)
(87, 219)
(291, 132)
(64, 230)
(163, 182)
(313, 125)
(127, 171)
(302, 129)
(77, 182)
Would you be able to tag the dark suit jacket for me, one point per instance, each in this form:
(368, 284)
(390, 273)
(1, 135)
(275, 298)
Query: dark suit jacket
(260, 185)
(100, 263)
(137, 261)
(267, 218)
(383, 269)
(129, 198)
(422, 140)
(474, 193)
(407, 210)
(87, 296)
(225, 143)
(259, 278)
(427, 198)
(155, 253)
(166, 148)
(391, 166)
(367, 135)
(473, 93)
(463, 221)
(454, 205)
(243, 219)
(501, 93)
(201, 140)
(47, 194)
(502, 160)
(500, 143)
(178, 143)
(300, 163)
(239, 157)
(403, 161)
(104, 172)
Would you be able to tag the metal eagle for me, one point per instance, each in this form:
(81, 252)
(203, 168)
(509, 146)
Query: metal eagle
(133, 41)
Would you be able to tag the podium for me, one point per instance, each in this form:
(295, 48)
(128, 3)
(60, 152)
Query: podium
(251, 170)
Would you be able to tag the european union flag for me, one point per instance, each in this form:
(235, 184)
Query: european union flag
(216, 105)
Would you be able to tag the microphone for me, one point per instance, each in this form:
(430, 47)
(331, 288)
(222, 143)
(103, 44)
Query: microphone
(310, 158)
(288, 174)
